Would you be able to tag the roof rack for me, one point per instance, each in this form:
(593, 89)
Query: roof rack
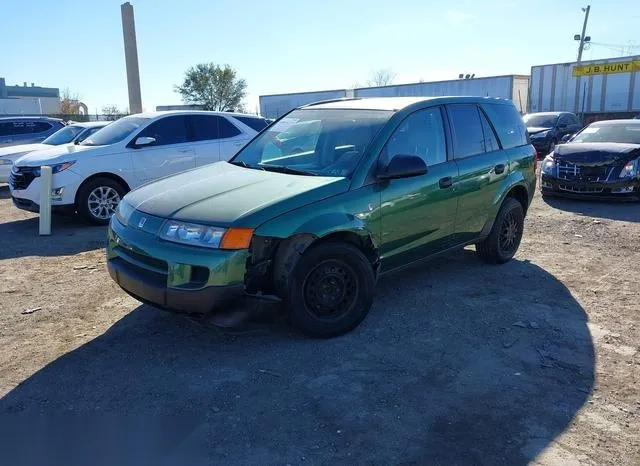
(319, 102)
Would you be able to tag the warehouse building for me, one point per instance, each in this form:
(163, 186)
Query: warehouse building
(513, 87)
(595, 89)
(28, 100)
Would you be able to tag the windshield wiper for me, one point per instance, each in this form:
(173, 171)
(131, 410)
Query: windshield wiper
(287, 170)
(242, 164)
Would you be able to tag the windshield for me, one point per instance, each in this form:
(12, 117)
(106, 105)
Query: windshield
(620, 132)
(63, 136)
(114, 132)
(540, 121)
(324, 142)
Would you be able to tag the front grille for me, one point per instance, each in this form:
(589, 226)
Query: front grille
(21, 177)
(571, 172)
(580, 189)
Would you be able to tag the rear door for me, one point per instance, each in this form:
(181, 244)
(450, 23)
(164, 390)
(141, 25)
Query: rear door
(205, 137)
(232, 138)
(482, 167)
(171, 153)
(418, 214)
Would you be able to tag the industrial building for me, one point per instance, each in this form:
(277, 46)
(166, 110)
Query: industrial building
(595, 89)
(513, 87)
(28, 100)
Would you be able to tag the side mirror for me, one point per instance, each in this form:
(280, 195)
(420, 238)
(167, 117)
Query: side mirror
(403, 166)
(144, 141)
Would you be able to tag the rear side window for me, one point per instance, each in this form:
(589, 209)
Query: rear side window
(490, 140)
(168, 130)
(466, 130)
(257, 124)
(226, 129)
(14, 128)
(204, 127)
(39, 127)
(508, 124)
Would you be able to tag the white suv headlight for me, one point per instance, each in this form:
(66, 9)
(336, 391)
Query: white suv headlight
(548, 165)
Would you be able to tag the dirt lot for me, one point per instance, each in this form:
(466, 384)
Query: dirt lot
(458, 363)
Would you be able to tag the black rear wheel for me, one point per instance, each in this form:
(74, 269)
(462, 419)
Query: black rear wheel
(505, 236)
(331, 290)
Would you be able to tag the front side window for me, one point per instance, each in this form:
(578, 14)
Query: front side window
(115, 132)
(167, 130)
(63, 136)
(39, 127)
(466, 130)
(421, 134)
(325, 142)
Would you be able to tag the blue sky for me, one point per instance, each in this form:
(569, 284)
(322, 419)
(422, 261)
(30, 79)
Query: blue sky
(286, 45)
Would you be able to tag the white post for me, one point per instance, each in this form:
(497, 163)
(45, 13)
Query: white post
(46, 176)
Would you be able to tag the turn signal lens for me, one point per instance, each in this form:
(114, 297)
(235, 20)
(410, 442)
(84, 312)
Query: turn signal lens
(237, 238)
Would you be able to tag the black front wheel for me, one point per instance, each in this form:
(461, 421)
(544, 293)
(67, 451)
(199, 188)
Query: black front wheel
(331, 290)
(505, 236)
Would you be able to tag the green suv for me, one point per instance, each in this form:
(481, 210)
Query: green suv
(373, 185)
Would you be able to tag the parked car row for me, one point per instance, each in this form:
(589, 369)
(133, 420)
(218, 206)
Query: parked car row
(92, 176)
(27, 130)
(207, 209)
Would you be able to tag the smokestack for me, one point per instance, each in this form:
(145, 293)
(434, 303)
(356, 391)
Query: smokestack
(131, 57)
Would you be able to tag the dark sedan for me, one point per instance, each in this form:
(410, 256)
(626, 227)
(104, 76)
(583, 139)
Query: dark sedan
(546, 129)
(600, 162)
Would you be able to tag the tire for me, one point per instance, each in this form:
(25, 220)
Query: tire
(97, 190)
(505, 236)
(345, 275)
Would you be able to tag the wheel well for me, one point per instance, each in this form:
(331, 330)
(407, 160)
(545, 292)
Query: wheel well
(363, 243)
(103, 175)
(520, 194)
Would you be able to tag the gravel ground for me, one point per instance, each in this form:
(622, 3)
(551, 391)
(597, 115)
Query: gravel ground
(536, 361)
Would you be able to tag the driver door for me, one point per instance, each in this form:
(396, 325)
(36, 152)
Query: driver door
(418, 213)
(171, 153)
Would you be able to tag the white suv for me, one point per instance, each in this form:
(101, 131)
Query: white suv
(90, 178)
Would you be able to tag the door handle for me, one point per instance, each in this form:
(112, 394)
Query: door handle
(499, 169)
(445, 182)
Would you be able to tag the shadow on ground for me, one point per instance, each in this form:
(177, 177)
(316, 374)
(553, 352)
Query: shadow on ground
(69, 235)
(458, 363)
(624, 211)
(4, 191)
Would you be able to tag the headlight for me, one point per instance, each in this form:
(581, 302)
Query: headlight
(540, 135)
(6, 162)
(206, 236)
(124, 212)
(548, 165)
(57, 168)
(630, 169)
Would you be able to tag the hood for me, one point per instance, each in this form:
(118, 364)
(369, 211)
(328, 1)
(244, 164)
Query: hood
(223, 194)
(536, 129)
(21, 149)
(596, 153)
(51, 155)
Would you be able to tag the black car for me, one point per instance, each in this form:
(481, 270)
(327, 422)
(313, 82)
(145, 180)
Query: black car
(600, 162)
(546, 129)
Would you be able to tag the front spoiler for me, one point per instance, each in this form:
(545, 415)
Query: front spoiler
(605, 194)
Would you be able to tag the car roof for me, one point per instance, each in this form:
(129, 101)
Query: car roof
(13, 118)
(629, 121)
(161, 113)
(88, 124)
(397, 103)
(548, 113)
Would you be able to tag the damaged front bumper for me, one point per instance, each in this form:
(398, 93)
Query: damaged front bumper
(622, 189)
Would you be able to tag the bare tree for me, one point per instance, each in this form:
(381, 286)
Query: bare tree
(381, 77)
(111, 112)
(69, 103)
